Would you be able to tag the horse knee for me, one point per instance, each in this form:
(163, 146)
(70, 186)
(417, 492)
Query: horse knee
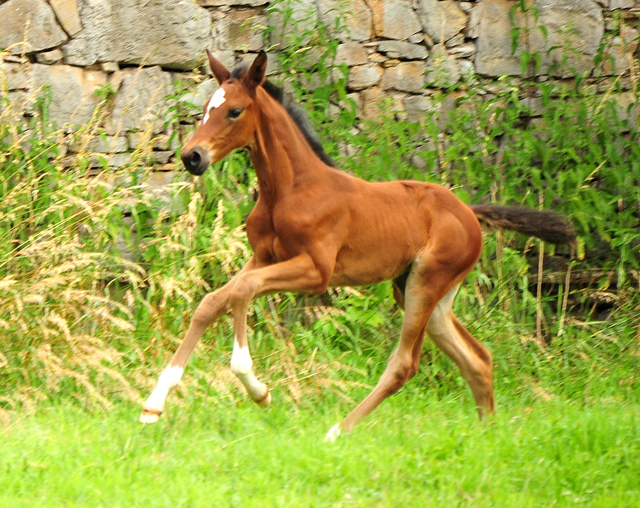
(242, 292)
(399, 371)
(209, 308)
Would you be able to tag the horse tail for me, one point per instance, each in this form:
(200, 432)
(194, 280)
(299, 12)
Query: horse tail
(547, 225)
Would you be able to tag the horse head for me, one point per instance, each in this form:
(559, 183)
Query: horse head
(230, 116)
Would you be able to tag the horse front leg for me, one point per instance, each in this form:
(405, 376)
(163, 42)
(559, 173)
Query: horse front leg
(241, 362)
(298, 274)
(210, 308)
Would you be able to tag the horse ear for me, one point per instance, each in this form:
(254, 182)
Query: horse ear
(255, 76)
(220, 72)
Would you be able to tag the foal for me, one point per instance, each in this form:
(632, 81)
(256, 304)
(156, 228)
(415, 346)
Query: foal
(315, 227)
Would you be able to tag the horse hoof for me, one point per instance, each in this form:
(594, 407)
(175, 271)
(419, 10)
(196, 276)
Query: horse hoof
(265, 401)
(149, 416)
(333, 434)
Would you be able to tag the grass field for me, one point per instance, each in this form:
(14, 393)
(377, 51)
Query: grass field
(413, 451)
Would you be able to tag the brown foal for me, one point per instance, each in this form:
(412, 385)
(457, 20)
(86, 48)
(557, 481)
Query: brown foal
(314, 226)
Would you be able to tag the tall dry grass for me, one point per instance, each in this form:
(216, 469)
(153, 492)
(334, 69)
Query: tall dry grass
(101, 269)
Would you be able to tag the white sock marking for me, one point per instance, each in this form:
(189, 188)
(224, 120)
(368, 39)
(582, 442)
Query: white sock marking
(242, 367)
(216, 101)
(333, 434)
(168, 380)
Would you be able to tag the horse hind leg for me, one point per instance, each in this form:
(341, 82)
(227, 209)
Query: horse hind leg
(473, 359)
(419, 300)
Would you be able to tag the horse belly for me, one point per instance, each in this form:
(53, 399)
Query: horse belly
(371, 262)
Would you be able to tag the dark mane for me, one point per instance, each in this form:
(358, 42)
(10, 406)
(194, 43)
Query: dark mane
(296, 113)
(239, 71)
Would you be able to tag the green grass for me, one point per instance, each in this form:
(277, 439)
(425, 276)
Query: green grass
(413, 451)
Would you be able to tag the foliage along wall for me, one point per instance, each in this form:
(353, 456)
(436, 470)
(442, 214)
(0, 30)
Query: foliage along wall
(129, 56)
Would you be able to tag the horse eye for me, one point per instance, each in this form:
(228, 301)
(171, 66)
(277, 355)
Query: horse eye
(234, 113)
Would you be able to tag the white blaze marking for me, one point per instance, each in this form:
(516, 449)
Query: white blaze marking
(216, 101)
(242, 367)
(168, 380)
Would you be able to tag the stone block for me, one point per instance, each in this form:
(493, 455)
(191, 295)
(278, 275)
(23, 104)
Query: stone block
(404, 77)
(467, 50)
(160, 142)
(15, 76)
(311, 82)
(467, 69)
(199, 97)
(98, 161)
(442, 20)
(371, 100)
(397, 105)
(68, 14)
(619, 52)
(417, 107)
(141, 101)
(466, 6)
(19, 103)
(394, 19)
(442, 69)
(100, 144)
(166, 142)
(627, 108)
(110, 67)
(117, 160)
(353, 102)
(158, 179)
(72, 91)
(50, 57)
(403, 50)
(574, 27)
(621, 4)
(473, 26)
(231, 3)
(161, 157)
(243, 30)
(43, 32)
(170, 33)
(351, 54)
(456, 40)
(293, 27)
(363, 76)
(346, 22)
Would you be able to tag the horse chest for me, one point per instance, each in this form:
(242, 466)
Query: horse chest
(273, 241)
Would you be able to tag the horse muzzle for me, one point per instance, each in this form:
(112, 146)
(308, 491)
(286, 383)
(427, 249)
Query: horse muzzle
(196, 160)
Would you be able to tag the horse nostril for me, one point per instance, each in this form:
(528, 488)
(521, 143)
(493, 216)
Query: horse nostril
(196, 160)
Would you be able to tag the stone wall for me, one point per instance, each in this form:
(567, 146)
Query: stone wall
(134, 51)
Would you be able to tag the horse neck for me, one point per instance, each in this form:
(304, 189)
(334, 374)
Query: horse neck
(280, 154)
